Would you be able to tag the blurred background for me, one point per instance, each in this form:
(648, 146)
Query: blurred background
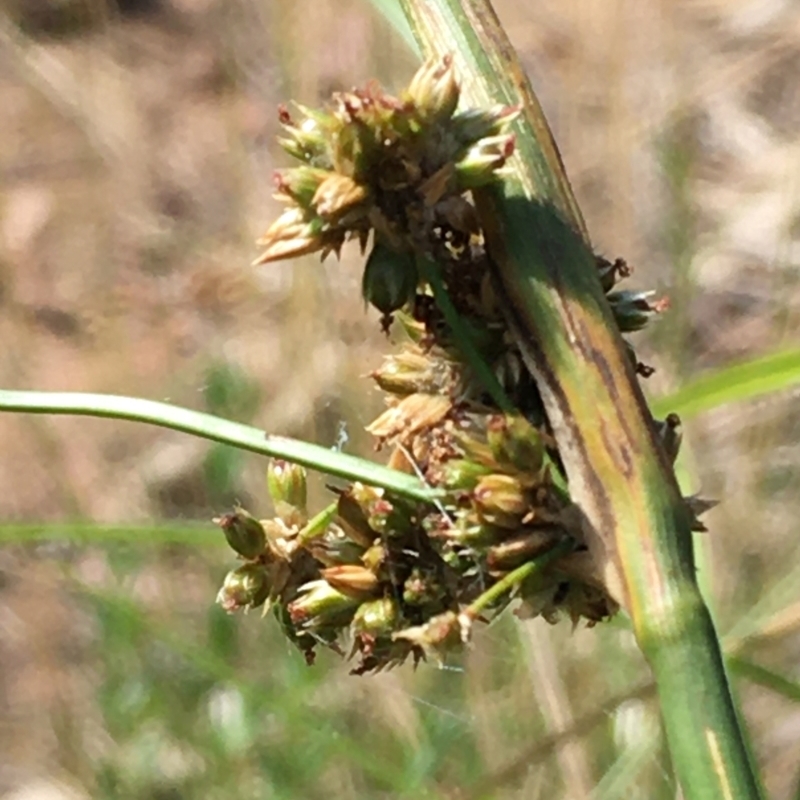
(136, 153)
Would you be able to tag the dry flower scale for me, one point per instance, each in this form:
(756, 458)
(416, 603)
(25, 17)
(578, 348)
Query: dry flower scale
(376, 577)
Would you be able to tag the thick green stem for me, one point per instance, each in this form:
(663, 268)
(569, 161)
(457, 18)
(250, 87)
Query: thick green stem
(635, 521)
(207, 426)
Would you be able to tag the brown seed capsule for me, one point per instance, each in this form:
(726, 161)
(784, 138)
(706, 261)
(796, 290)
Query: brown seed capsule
(411, 415)
(352, 579)
(522, 547)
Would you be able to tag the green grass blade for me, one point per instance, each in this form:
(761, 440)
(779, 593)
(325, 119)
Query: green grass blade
(391, 11)
(207, 426)
(750, 379)
(769, 679)
(97, 533)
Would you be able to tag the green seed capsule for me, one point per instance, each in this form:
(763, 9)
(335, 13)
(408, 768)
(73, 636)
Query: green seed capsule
(245, 587)
(463, 474)
(390, 279)
(244, 533)
(376, 617)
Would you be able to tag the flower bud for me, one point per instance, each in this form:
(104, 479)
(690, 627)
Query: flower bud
(390, 278)
(375, 557)
(306, 141)
(483, 161)
(335, 547)
(442, 633)
(670, 434)
(244, 533)
(287, 483)
(501, 500)
(434, 90)
(337, 195)
(472, 124)
(299, 185)
(376, 617)
(320, 604)
(292, 234)
(422, 588)
(245, 587)
(633, 310)
(611, 272)
(352, 513)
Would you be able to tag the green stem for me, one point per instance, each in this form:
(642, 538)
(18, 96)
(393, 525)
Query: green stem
(517, 576)
(635, 522)
(207, 426)
(317, 525)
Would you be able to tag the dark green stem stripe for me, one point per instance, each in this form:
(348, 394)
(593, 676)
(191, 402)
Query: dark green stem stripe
(220, 430)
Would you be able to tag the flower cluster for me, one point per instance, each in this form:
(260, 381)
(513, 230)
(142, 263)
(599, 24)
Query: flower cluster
(396, 166)
(396, 578)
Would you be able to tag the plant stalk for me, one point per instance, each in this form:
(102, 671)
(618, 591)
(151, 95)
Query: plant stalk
(635, 522)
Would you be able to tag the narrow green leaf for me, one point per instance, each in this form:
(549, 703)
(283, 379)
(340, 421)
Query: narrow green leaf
(745, 381)
(391, 11)
(245, 437)
(765, 677)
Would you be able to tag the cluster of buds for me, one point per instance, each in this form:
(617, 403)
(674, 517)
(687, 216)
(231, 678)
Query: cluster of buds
(380, 577)
(368, 573)
(396, 166)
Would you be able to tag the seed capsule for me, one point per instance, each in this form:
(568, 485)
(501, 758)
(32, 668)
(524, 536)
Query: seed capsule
(518, 549)
(501, 500)
(390, 278)
(463, 474)
(245, 587)
(351, 579)
(320, 604)
(376, 617)
(243, 532)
